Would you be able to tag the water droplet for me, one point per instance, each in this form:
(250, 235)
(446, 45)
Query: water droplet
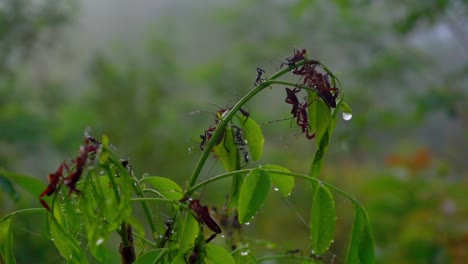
(347, 116)
(248, 223)
(222, 236)
(189, 151)
(245, 253)
(99, 241)
(276, 189)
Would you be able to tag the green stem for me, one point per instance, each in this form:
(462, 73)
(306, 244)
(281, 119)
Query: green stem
(296, 175)
(137, 188)
(114, 185)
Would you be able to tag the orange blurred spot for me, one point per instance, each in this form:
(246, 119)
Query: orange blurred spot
(419, 160)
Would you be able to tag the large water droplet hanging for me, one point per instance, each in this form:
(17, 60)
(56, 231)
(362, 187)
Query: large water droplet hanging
(347, 116)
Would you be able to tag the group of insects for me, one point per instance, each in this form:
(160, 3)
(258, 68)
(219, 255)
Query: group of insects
(310, 77)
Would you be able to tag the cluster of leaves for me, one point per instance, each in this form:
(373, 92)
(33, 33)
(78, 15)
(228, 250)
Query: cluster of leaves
(108, 187)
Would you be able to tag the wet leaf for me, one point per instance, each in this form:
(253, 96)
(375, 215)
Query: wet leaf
(165, 187)
(190, 232)
(66, 244)
(361, 247)
(217, 254)
(322, 220)
(283, 183)
(227, 151)
(253, 135)
(253, 193)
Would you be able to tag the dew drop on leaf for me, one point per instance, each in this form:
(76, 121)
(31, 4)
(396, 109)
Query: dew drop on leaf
(245, 253)
(276, 189)
(347, 116)
(99, 241)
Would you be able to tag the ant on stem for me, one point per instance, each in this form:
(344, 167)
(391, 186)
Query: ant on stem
(259, 79)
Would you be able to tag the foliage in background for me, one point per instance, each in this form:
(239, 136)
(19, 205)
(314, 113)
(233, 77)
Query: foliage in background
(404, 65)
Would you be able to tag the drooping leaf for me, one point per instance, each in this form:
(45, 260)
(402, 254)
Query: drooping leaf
(166, 187)
(216, 254)
(322, 220)
(361, 246)
(6, 239)
(149, 257)
(253, 134)
(283, 183)
(253, 193)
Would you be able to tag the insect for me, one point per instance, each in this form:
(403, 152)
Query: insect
(258, 79)
(321, 84)
(204, 218)
(291, 61)
(74, 174)
(299, 111)
(241, 143)
(54, 181)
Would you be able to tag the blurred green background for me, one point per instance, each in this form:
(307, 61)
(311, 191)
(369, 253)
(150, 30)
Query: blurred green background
(140, 71)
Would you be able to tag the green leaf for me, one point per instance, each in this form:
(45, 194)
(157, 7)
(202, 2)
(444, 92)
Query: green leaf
(253, 135)
(217, 254)
(165, 187)
(237, 181)
(319, 155)
(66, 244)
(283, 183)
(322, 220)
(322, 119)
(253, 193)
(190, 232)
(6, 239)
(361, 247)
(149, 257)
(8, 187)
(227, 151)
(345, 108)
(32, 185)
